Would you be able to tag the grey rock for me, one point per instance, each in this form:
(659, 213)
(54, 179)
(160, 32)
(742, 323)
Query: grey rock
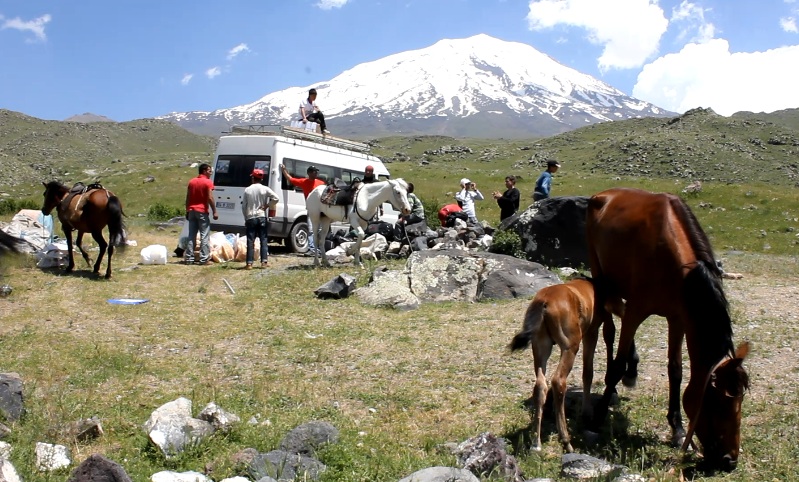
(169, 476)
(7, 472)
(553, 231)
(51, 457)
(282, 466)
(172, 429)
(390, 289)
(308, 437)
(441, 474)
(4, 431)
(11, 399)
(339, 287)
(86, 429)
(485, 455)
(97, 468)
(580, 466)
(220, 419)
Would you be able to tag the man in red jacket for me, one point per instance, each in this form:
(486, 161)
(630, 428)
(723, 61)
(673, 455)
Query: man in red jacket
(199, 197)
(307, 184)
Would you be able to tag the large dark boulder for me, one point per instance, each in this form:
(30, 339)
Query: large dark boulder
(11, 399)
(99, 469)
(553, 232)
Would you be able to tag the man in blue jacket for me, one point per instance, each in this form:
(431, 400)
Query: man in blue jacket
(544, 183)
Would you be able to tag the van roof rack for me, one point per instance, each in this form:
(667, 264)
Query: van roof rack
(296, 133)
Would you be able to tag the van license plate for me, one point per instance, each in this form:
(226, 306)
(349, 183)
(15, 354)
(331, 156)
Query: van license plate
(225, 205)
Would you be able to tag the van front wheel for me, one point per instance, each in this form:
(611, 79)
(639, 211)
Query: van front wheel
(298, 239)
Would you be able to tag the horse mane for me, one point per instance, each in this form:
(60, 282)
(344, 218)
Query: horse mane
(401, 182)
(706, 302)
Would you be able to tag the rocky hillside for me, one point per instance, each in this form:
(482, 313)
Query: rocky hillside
(31, 148)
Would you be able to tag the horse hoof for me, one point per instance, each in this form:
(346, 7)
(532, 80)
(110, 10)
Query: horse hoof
(629, 382)
(536, 448)
(567, 447)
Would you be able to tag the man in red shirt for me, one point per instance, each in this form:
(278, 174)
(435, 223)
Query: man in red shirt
(307, 184)
(199, 197)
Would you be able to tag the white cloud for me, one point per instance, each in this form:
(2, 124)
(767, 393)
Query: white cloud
(691, 20)
(709, 75)
(788, 24)
(186, 79)
(628, 30)
(330, 4)
(35, 26)
(213, 72)
(232, 53)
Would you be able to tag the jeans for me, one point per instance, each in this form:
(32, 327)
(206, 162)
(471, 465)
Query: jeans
(311, 242)
(319, 118)
(199, 222)
(257, 227)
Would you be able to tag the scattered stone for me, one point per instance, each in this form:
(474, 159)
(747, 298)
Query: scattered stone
(388, 288)
(7, 471)
(220, 419)
(485, 455)
(441, 474)
(11, 399)
(172, 428)
(51, 457)
(308, 437)
(5, 451)
(282, 465)
(4, 431)
(149, 179)
(168, 476)
(580, 466)
(86, 429)
(552, 231)
(338, 288)
(99, 469)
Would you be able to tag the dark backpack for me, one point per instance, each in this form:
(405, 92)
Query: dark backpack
(451, 217)
(385, 229)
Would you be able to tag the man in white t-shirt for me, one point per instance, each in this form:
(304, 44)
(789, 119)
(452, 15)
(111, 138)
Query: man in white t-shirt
(255, 205)
(309, 111)
(467, 196)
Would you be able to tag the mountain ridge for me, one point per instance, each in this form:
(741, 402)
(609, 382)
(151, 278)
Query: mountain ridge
(473, 87)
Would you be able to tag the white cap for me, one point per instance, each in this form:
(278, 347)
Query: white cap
(464, 181)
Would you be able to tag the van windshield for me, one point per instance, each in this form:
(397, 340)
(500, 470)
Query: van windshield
(235, 170)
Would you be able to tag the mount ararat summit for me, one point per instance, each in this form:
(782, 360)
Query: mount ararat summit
(474, 87)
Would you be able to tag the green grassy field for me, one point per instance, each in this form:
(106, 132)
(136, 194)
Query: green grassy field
(397, 385)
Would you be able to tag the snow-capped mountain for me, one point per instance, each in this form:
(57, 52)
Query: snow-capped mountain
(474, 87)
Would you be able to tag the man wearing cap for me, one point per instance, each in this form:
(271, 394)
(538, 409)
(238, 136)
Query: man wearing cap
(467, 196)
(258, 200)
(369, 178)
(199, 198)
(307, 184)
(544, 183)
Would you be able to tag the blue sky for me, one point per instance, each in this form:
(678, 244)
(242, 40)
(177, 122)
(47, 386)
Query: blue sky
(128, 59)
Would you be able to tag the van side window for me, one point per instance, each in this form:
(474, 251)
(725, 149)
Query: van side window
(298, 168)
(235, 170)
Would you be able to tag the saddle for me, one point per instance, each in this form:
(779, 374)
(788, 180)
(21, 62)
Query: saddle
(339, 193)
(79, 189)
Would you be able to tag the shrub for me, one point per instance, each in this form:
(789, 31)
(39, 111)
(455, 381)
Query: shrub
(13, 206)
(162, 212)
(508, 242)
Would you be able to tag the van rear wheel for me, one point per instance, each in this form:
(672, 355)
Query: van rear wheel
(298, 241)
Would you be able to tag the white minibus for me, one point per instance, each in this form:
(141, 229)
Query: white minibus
(267, 147)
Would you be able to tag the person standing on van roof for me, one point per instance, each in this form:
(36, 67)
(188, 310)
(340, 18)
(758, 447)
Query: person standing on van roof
(255, 205)
(309, 111)
(307, 184)
(544, 183)
(199, 196)
(509, 200)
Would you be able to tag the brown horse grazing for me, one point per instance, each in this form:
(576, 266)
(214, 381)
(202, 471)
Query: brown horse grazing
(87, 209)
(650, 250)
(562, 314)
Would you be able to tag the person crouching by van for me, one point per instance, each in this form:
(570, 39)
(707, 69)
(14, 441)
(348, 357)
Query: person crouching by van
(255, 205)
(309, 111)
(307, 184)
(199, 197)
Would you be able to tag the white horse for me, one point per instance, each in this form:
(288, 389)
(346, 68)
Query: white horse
(367, 200)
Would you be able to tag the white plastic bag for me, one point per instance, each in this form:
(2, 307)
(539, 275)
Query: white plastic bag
(153, 254)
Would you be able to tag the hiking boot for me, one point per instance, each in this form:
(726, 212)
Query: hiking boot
(207, 263)
(325, 131)
(264, 264)
(248, 267)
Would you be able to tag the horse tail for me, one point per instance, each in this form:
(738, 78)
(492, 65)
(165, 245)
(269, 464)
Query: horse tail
(703, 291)
(116, 225)
(9, 244)
(533, 319)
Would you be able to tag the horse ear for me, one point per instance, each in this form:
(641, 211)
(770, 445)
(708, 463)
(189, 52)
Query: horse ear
(44, 184)
(743, 350)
